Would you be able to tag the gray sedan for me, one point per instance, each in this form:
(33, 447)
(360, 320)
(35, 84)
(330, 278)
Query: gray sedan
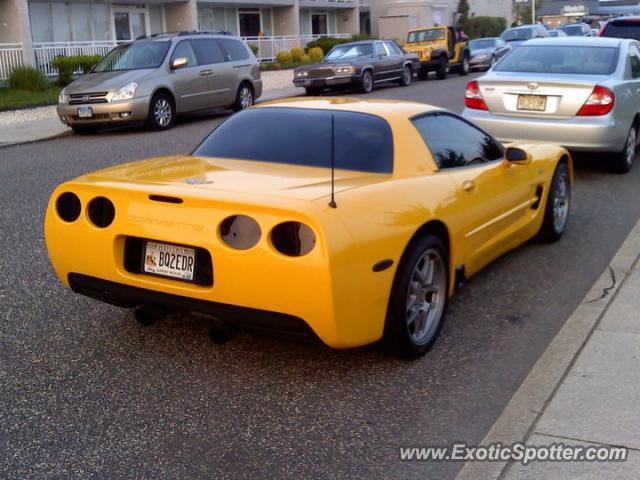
(581, 93)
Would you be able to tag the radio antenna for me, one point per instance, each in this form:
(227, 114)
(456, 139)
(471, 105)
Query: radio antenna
(332, 203)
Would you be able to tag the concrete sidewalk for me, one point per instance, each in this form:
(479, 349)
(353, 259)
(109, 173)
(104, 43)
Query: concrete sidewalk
(585, 389)
(47, 128)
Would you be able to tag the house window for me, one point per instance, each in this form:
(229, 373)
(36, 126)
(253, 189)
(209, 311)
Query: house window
(319, 24)
(68, 22)
(130, 23)
(250, 24)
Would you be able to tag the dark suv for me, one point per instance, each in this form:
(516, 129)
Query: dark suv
(623, 27)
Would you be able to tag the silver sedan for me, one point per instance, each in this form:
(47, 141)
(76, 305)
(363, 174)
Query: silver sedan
(581, 93)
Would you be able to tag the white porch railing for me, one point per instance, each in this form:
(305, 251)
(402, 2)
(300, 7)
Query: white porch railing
(46, 52)
(268, 47)
(10, 57)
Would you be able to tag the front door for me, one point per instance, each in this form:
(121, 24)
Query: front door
(249, 22)
(130, 23)
(319, 24)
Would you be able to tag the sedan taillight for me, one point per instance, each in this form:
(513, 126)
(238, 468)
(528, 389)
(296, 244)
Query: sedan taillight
(600, 102)
(473, 97)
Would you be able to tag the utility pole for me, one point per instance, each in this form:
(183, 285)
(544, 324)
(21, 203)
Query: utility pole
(533, 12)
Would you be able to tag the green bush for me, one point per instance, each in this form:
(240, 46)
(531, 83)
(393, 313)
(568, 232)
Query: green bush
(284, 57)
(254, 48)
(28, 78)
(297, 53)
(327, 43)
(478, 27)
(305, 59)
(315, 54)
(67, 66)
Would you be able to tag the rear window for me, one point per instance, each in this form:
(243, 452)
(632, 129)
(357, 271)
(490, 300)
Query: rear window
(572, 30)
(622, 29)
(207, 51)
(560, 59)
(517, 34)
(298, 136)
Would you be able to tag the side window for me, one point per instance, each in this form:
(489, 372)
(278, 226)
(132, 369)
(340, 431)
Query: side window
(207, 51)
(456, 143)
(185, 50)
(234, 49)
(634, 56)
(380, 50)
(392, 48)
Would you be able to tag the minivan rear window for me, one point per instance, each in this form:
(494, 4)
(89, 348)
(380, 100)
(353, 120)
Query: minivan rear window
(234, 48)
(303, 136)
(622, 29)
(563, 59)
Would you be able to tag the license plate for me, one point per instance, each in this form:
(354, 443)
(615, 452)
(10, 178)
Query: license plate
(532, 102)
(170, 261)
(85, 112)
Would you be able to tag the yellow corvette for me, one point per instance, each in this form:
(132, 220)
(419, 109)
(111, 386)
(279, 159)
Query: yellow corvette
(348, 220)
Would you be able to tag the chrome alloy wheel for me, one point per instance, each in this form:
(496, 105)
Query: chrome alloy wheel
(630, 147)
(561, 199)
(426, 297)
(162, 112)
(246, 97)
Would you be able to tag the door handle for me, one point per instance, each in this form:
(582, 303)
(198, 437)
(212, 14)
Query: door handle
(205, 73)
(468, 185)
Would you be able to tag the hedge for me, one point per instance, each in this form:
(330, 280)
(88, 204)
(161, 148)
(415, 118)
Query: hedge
(67, 66)
(478, 27)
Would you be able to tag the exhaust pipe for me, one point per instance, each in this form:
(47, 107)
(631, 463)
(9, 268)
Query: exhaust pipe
(147, 316)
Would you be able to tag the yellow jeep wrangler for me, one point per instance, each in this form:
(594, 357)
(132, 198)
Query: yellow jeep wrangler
(438, 48)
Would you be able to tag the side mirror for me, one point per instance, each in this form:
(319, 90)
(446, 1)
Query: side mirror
(178, 63)
(517, 156)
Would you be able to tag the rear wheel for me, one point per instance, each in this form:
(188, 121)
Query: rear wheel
(623, 161)
(161, 112)
(365, 85)
(418, 300)
(441, 70)
(556, 212)
(244, 97)
(407, 76)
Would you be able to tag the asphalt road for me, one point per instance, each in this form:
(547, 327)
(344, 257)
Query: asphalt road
(87, 393)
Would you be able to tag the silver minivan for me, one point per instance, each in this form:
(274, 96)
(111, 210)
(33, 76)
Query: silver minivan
(154, 79)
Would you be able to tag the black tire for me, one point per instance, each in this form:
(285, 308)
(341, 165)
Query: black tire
(423, 73)
(162, 112)
(312, 91)
(365, 84)
(84, 129)
(552, 228)
(441, 70)
(464, 65)
(398, 337)
(622, 161)
(245, 97)
(407, 76)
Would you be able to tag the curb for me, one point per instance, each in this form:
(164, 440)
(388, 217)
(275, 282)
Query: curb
(35, 140)
(526, 407)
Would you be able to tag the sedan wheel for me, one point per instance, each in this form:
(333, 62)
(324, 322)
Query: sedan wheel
(623, 161)
(556, 214)
(407, 76)
(418, 299)
(366, 82)
(464, 67)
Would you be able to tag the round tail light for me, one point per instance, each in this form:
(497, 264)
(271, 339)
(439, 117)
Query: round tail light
(240, 232)
(68, 207)
(101, 212)
(293, 239)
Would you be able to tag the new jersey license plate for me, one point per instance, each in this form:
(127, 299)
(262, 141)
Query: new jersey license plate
(85, 112)
(170, 261)
(536, 103)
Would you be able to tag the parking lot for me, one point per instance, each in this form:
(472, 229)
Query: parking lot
(88, 393)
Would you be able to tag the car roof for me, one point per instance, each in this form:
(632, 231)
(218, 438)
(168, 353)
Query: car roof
(522, 27)
(630, 18)
(163, 37)
(580, 41)
(379, 107)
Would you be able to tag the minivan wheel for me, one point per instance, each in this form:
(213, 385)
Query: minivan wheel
(161, 112)
(244, 98)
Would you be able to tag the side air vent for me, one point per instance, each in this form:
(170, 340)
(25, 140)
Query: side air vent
(165, 199)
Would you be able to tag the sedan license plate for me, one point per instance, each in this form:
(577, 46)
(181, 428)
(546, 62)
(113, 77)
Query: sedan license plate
(170, 261)
(536, 103)
(85, 112)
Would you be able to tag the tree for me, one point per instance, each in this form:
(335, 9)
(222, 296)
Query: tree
(463, 10)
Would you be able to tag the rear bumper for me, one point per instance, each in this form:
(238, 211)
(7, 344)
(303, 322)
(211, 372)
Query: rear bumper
(324, 82)
(134, 110)
(257, 88)
(125, 296)
(604, 134)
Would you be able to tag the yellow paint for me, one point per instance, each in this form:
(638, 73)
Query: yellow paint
(333, 288)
